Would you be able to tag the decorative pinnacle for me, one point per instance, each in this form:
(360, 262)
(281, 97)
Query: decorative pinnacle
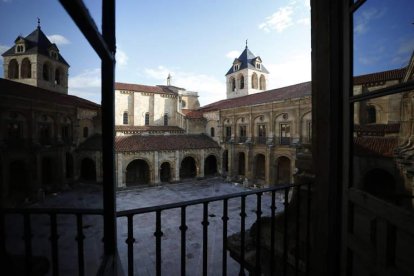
(38, 22)
(246, 43)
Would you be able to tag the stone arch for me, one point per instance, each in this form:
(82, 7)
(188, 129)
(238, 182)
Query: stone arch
(13, 69)
(46, 74)
(260, 166)
(165, 172)
(210, 165)
(262, 82)
(380, 183)
(137, 173)
(283, 170)
(188, 167)
(371, 113)
(58, 76)
(232, 83)
(255, 81)
(26, 69)
(88, 169)
(19, 179)
(241, 159)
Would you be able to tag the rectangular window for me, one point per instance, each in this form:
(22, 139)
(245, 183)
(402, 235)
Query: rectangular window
(65, 133)
(261, 134)
(125, 118)
(147, 119)
(165, 119)
(14, 130)
(242, 134)
(284, 134)
(228, 133)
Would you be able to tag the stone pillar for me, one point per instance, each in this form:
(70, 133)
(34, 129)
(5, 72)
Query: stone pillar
(156, 169)
(268, 166)
(119, 171)
(177, 166)
(202, 159)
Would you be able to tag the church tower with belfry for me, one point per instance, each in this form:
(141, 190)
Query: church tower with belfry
(246, 76)
(34, 60)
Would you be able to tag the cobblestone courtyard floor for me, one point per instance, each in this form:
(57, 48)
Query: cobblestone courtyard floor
(90, 196)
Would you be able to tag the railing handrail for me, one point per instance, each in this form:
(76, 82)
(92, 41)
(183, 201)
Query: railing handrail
(175, 205)
(57, 211)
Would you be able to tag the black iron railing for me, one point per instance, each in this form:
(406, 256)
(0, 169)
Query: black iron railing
(272, 256)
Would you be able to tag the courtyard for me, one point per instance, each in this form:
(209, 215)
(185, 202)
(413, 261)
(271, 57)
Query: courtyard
(89, 196)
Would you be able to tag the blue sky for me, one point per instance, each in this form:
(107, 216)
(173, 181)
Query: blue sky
(197, 40)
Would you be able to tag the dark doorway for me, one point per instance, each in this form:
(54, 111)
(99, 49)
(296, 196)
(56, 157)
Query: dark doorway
(88, 170)
(188, 168)
(260, 167)
(69, 165)
(210, 165)
(283, 170)
(137, 173)
(47, 173)
(165, 172)
(242, 163)
(19, 180)
(380, 183)
(225, 161)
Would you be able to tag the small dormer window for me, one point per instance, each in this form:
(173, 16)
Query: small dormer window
(20, 48)
(258, 66)
(236, 67)
(53, 54)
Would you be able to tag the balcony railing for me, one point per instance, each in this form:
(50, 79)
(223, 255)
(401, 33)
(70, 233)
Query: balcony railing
(241, 139)
(284, 140)
(260, 140)
(286, 236)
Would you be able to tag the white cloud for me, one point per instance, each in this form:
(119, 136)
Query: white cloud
(233, 54)
(87, 85)
(58, 39)
(363, 19)
(406, 47)
(304, 21)
(3, 48)
(208, 87)
(121, 58)
(278, 21)
(294, 69)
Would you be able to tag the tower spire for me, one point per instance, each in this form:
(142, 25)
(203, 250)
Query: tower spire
(246, 43)
(169, 79)
(38, 23)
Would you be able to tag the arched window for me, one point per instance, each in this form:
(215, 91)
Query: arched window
(233, 84)
(212, 132)
(85, 132)
(241, 81)
(165, 119)
(125, 118)
(262, 82)
(26, 69)
(254, 81)
(46, 72)
(371, 115)
(13, 69)
(58, 76)
(147, 119)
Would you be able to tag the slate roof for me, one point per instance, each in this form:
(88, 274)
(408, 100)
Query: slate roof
(246, 58)
(15, 89)
(375, 146)
(289, 92)
(93, 143)
(163, 142)
(395, 74)
(36, 43)
(144, 88)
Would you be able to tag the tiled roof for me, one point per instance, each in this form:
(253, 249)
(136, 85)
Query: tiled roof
(163, 142)
(15, 89)
(375, 146)
(289, 92)
(92, 143)
(143, 88)
(36, 43)
(378, 128)
(246, 59)
(395, 74)
(192, 114)
(147, 128)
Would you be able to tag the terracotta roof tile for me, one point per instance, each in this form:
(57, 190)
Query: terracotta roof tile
(143, 88)
(193, 114)
(148, 128)
(19, 90)
(395, 74)
(163, 142)
(375, 146)
(378, 128)
(92, 143)
(293, 91)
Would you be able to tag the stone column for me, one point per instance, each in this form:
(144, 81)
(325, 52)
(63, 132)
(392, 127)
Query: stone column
(156, 168)
(268, 166)
(119, 171)
(177, 166)
(202, 159)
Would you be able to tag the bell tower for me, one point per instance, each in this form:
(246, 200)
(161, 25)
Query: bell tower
(34, 60)
(246, 76)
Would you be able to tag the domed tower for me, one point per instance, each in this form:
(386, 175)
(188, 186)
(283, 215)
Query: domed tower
(246, 76)
(34, 60)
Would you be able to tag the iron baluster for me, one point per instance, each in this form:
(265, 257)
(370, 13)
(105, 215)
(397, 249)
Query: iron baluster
(183, 229)
(158, 234)
(54, 243)
(225, 219)
(205, 224)
(297, 232)
(79, 238)
(272, 234)
(285, 231)
(130, 242)
(27, 237)
(308, 211)
(242, 233)
(258, 233)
